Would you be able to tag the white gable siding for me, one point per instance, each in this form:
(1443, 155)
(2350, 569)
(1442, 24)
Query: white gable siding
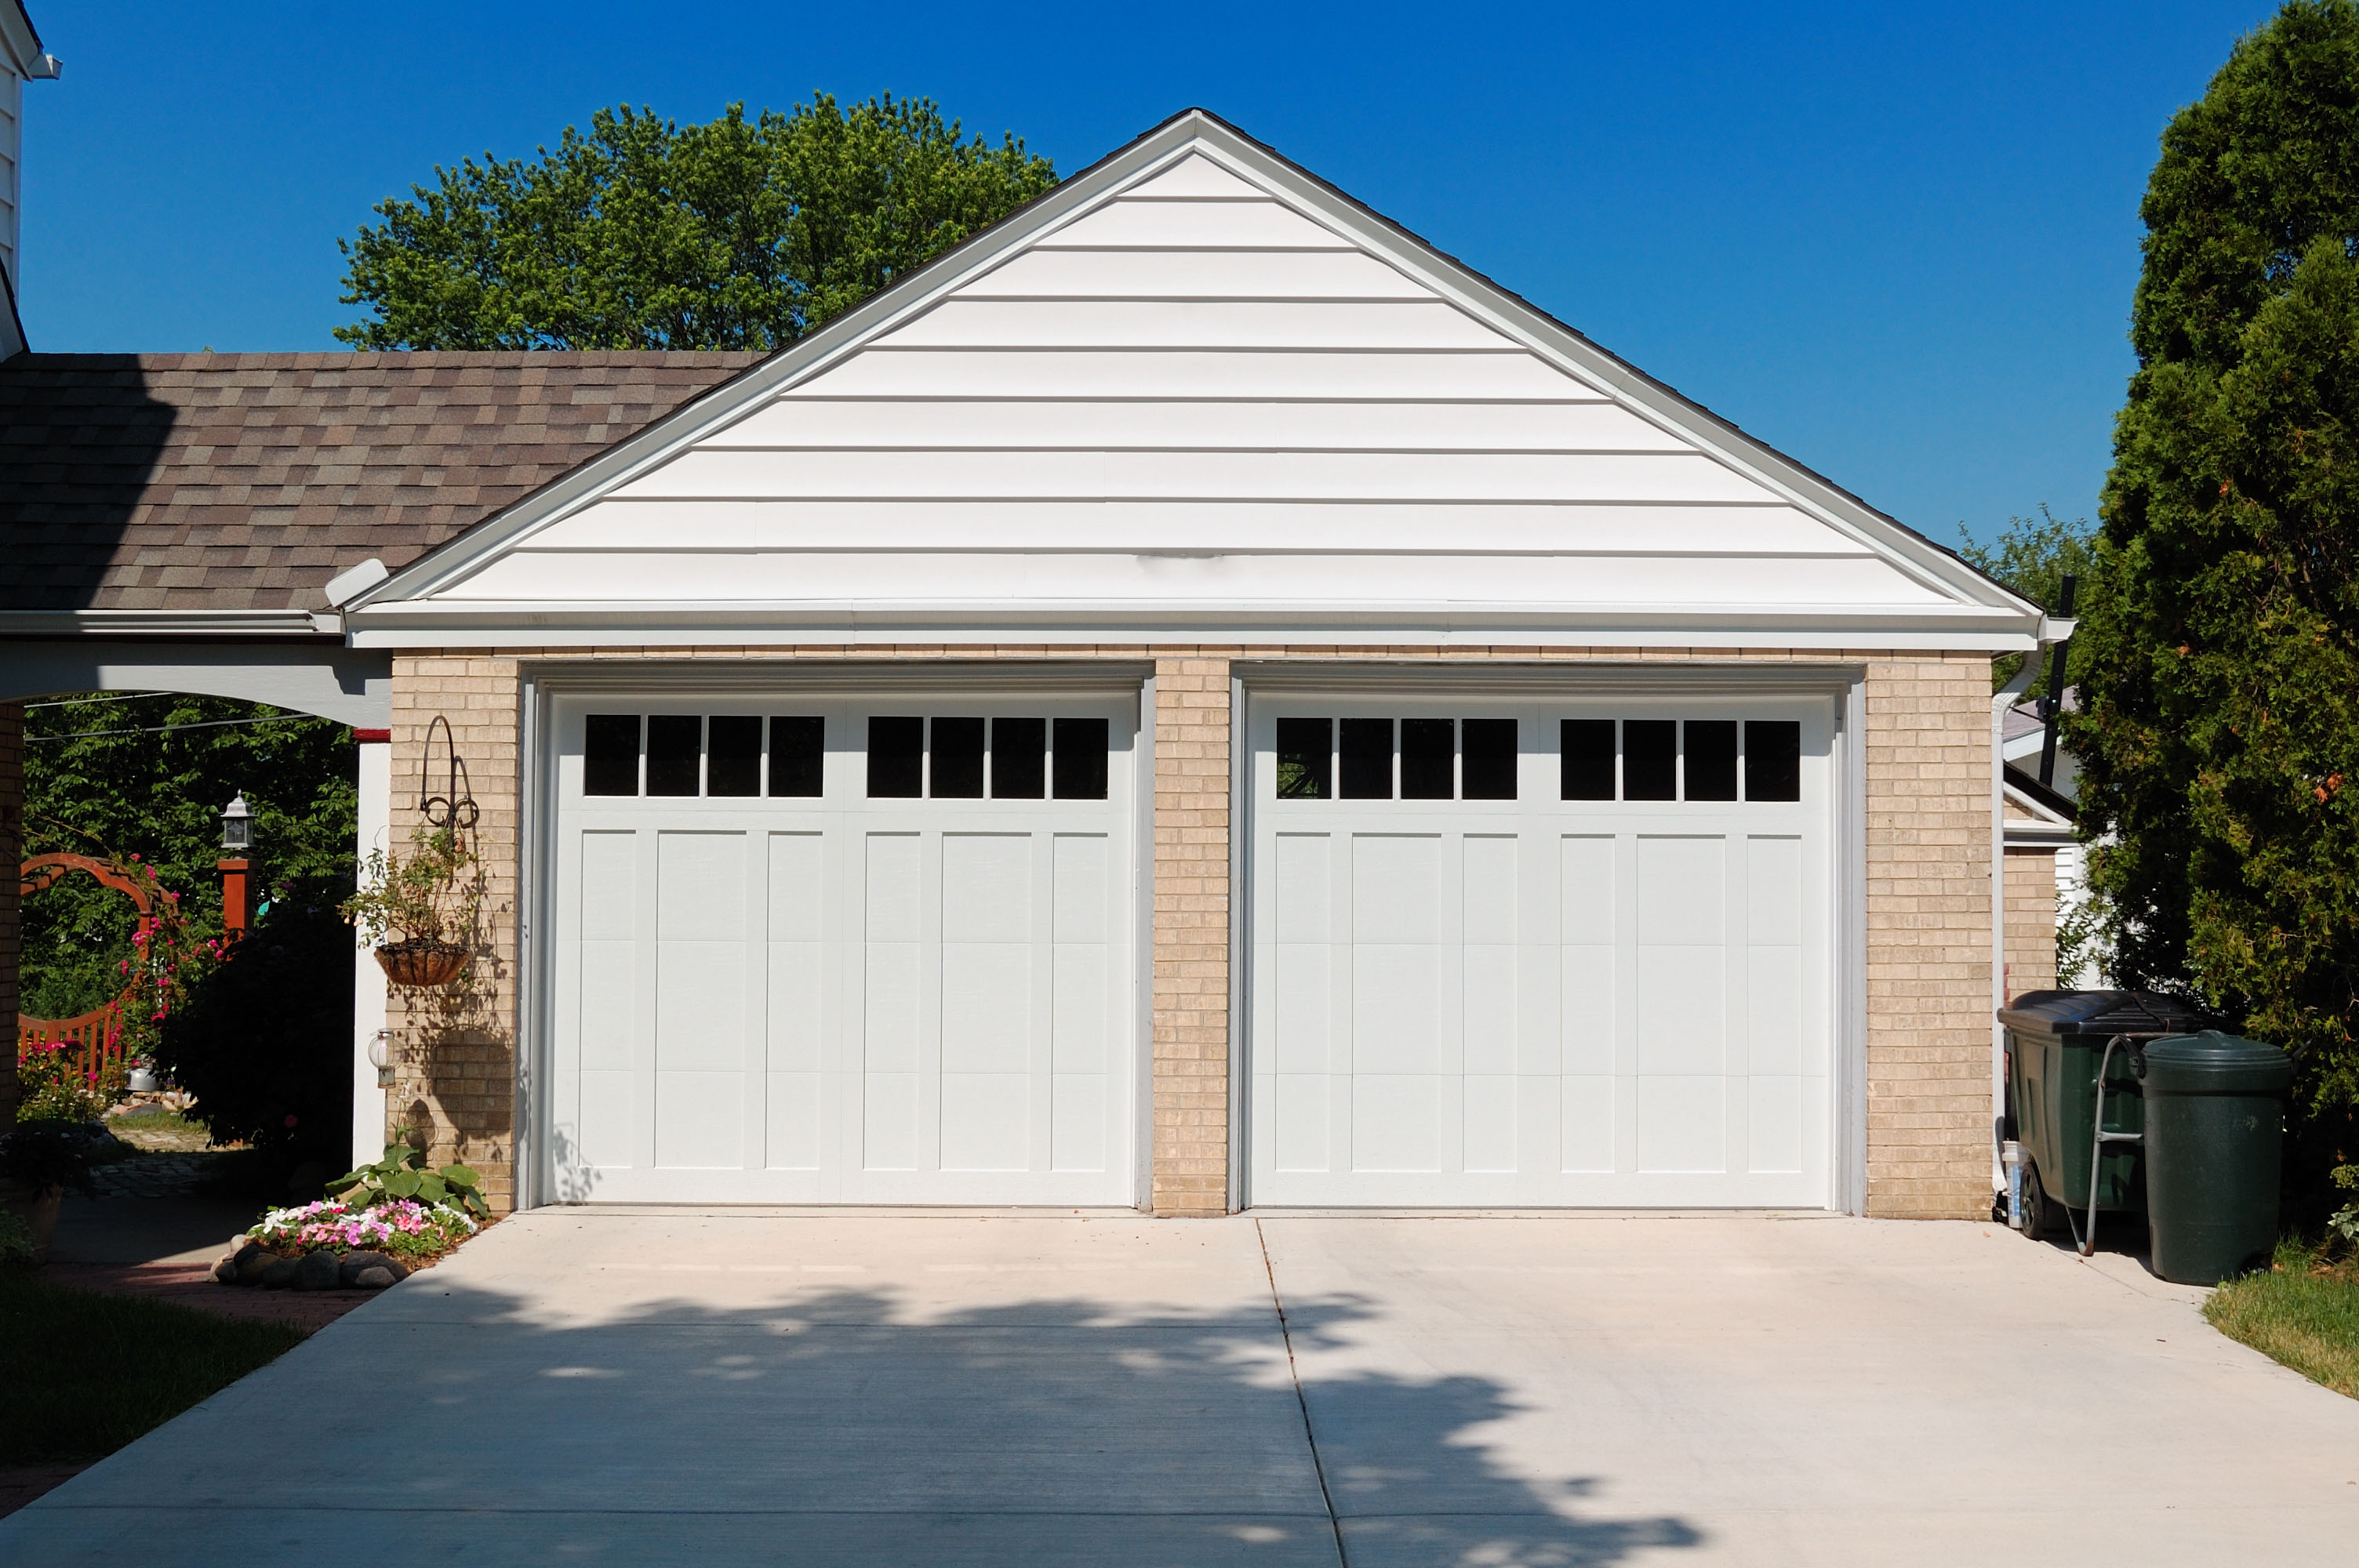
(1195, 398)
(12, 113)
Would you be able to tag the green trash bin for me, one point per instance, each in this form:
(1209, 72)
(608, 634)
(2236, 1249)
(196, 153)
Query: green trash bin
(2055, 1042)
(2214, 1145)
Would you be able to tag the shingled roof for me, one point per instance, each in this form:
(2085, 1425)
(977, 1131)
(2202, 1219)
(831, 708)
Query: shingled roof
(244, 481)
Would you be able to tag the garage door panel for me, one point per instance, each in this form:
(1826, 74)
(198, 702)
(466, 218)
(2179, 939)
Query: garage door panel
(1683, 1011)
(700, 1120)
(1490, 1121)
(814, 994)
(1682, 1123)
(986, 1121)
(792, 1132)
(1397, 1018)
(1589, 1119)
(1396, 1121)
(1609, 998)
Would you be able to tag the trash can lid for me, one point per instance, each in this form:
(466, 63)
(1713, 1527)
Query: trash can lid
(2213, 1062)
(2142, 1013)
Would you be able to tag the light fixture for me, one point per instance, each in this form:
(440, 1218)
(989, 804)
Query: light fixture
(237, 825)
(380, 1055)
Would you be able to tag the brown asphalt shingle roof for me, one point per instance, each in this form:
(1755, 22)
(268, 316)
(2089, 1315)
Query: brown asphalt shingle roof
(245, 481)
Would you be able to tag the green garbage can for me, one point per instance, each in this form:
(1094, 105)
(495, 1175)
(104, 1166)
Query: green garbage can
(2055, 1042)
(2214, 1145)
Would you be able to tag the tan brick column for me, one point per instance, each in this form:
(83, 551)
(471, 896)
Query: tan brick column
(12, 854)
(1928, 934)
(1191, 937)
(455, 1049)
(2030, 921)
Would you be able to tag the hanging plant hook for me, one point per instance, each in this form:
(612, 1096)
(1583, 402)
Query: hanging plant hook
(455, 807)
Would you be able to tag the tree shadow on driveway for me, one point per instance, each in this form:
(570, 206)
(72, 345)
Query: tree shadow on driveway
(829, 1426)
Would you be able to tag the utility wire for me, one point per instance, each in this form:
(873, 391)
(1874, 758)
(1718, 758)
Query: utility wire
(168, 729)
(78, 701)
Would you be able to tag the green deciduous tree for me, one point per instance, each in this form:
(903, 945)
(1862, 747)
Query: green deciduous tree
(2033, 556)
(2219, 667)
(741, 234)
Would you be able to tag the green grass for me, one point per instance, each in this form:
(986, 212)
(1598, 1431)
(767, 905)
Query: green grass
(154, 1118)
(85, 1373)
(2299, 1314)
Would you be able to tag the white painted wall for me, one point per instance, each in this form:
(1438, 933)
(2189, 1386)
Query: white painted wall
(1199, 397)
(376, 814)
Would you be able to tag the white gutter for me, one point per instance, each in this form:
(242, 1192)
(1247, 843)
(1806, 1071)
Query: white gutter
(2051, 631)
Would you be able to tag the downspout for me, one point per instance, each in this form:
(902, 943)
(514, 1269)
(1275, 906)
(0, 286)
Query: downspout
(2051, 630)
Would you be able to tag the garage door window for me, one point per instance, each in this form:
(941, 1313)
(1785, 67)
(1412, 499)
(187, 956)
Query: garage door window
(688, 754)
(1675, 760)
(962, 758)
(1407, 759)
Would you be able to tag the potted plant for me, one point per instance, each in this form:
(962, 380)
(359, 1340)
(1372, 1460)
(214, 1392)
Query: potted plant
(418, 910)
(38, 1161)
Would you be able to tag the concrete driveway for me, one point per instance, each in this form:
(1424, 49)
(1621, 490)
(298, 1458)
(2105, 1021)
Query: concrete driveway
(893, 1388)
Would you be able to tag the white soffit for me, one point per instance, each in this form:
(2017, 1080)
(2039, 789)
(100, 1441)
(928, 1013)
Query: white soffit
(1194, 386)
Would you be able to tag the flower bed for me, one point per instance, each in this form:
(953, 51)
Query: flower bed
(334, 1245)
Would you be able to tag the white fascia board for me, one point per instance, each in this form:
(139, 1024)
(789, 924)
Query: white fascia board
(270, 623)
(483, 623)
(1197, 132)
(23, 44)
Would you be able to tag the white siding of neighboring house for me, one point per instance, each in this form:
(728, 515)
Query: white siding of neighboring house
(1196, 397)
(12, 115)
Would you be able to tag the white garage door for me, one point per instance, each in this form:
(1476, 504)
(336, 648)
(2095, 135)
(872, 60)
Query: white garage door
(1540, 954)
(843, 951)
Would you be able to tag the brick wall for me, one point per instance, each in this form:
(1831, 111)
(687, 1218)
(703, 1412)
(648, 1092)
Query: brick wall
(1929, 900)
(12, 854)
(2030, 921)
(1928, 926)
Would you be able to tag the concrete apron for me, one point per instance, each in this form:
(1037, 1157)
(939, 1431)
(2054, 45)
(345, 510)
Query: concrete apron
(888, 1388)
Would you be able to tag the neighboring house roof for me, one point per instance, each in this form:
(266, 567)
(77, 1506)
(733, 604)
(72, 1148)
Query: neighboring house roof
(223, 483)
(2035, 816)
(1196, 386)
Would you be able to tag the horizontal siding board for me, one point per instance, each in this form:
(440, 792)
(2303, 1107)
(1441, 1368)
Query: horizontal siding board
(1194, 275)
(1245, 476)
(1222, 225)
(1088, 373)
(1235, 426)
(618, 524)
(1196, 175)
(1106, 579)
(1193, 324)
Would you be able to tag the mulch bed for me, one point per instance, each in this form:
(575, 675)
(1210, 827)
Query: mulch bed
(192, 1285)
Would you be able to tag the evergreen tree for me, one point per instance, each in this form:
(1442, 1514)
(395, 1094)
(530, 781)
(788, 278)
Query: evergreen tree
(2219, 666)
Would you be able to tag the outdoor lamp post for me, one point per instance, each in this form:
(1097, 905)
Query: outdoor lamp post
(237, 839)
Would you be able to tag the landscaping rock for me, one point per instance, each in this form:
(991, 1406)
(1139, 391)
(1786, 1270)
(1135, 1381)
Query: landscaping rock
(225, 1271)
(280, 1274)
(374, 1277)
(357, 1263)
(253, 1262)
(318, 1271)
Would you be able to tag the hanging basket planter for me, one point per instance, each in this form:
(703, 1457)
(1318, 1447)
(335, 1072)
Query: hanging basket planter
(422, 963)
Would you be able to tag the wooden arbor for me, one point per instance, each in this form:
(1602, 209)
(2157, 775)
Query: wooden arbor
(95, 1037)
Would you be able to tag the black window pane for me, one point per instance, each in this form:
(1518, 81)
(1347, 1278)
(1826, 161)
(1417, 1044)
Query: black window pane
(1305, 759)
(1080, 759)
(1367, 759)
(958, 759)
(1773, 759)
(896, 758)
(1650, 759)
(1019, 758)
(1487, 764)
(672, 744)
(798, 755)
(1426, 747)
(1588, 759)
(610, 754)
(732, 755)
(1711, 759)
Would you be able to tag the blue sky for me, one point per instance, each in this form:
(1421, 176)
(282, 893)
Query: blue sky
(1896, 241)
